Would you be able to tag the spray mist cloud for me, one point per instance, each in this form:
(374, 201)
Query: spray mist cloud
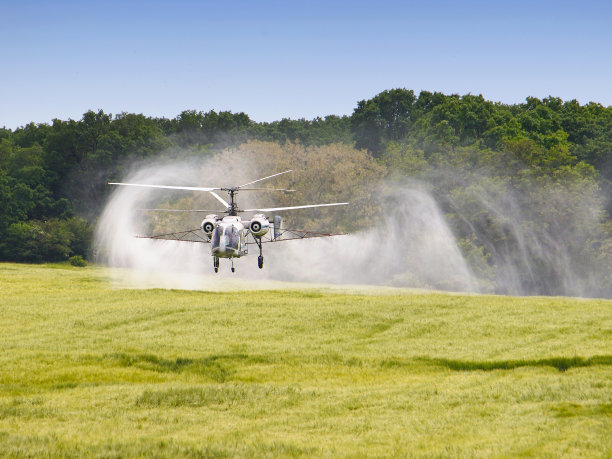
(542, 239)
(410, 246)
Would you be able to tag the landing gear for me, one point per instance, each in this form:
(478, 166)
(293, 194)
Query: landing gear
(232, 260)
(260, 257)
(216, 264)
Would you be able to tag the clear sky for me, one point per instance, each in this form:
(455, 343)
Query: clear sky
(296, 59)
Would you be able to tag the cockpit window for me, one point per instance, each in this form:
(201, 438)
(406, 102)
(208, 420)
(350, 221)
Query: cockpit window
(216, 237)
(225, 237)
(232, 236)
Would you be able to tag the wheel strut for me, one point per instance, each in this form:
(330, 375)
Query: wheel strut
(260, 258)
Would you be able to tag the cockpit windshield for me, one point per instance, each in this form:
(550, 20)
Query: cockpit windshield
(225, 237)
(232, 237)
(216, 237)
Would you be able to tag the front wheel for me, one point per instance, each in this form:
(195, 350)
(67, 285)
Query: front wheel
(260, 261)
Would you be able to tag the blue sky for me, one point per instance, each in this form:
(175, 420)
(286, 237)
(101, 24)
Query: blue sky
(296, 59)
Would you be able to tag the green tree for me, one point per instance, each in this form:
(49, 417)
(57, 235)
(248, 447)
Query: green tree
(386, 117)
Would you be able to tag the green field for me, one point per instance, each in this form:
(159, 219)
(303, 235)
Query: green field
(88, 369)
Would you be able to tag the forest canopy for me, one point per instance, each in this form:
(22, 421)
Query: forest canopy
(520, 185)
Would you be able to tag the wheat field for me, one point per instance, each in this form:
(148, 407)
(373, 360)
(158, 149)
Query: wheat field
(89, 369)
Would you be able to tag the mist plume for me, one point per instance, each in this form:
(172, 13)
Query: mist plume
(410, 246)
(474, 232)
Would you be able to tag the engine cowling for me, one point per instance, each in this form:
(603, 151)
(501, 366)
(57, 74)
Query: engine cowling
(259, 225)
(209, 223)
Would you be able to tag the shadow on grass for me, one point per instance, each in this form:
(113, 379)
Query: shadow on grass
(560, 363)
(218, 368)
(568, 410)
(222, 368)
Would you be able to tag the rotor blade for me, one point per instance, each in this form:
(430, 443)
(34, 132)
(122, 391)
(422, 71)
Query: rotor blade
(274, 209)
(188, 188)
(182, 210)
(220, 199)
(267, 189)
(266, 178)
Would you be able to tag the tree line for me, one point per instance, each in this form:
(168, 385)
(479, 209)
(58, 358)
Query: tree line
(475, 154)
(53, 176)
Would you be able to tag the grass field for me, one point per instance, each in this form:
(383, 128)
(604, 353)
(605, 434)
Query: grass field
(92, 370)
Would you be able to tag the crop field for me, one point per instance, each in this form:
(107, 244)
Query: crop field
(89, 369)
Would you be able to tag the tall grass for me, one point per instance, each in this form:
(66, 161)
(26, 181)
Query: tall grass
(91, 370)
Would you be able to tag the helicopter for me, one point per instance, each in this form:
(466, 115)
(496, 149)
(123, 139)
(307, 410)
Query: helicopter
(230, 235)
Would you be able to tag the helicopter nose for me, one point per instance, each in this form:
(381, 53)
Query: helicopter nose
(223, 251)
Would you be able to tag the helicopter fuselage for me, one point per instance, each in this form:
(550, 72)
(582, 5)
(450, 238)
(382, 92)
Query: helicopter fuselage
(229, 238)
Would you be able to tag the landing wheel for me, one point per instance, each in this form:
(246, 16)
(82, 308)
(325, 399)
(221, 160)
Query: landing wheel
(216, 264)
(260, 258)
(233, 269)
(232, 260)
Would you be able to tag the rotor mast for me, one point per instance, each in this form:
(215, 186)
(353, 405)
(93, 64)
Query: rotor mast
(232, 210)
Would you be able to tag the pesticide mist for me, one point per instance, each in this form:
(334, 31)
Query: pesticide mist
(480, 235)
(409, 246)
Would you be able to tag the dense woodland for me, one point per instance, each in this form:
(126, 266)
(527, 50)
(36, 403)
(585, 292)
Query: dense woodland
(524, 187)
